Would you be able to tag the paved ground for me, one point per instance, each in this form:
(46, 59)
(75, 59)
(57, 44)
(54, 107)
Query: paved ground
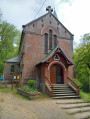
(14, 107)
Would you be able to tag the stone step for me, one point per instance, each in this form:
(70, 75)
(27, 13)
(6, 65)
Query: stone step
(61, 86)
(72, 102)
(76, 106)
(63, 92)
(84, 115)
(65, 97)
(67, 94)
(79, 110)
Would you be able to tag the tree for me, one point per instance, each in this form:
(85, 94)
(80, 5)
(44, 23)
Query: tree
(82, 62)
(9, 42)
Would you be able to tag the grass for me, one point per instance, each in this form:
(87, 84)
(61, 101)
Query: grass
(85, 96)
(8, 90)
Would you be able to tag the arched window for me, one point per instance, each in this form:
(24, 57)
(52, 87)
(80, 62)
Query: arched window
(12, 68)
(50, 39)
(55, 40)
(46, 43)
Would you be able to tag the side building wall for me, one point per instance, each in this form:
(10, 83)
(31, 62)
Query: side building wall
(7, 71)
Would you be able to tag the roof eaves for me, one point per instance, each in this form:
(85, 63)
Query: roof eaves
(65, 55)
(63, 25)
(13, 60)
(50, 54)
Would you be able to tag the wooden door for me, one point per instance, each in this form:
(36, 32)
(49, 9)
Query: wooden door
(59, 74)
(53, 74)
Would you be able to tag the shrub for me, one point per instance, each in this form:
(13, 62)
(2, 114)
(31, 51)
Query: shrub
(32, 84)
(78, 82)
(27, 89)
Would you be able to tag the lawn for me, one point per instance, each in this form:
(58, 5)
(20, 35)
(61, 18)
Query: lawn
(85, 96)
(7, 90)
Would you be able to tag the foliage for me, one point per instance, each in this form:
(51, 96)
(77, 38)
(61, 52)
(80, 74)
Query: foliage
(85, 96)
(78, 82)
(9, 42)
(32, 84)
(27, 89)
(82, 62)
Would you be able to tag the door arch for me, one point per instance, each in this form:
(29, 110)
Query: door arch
(56, 74)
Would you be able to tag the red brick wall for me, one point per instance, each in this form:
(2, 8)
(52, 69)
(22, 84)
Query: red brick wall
(34, 44)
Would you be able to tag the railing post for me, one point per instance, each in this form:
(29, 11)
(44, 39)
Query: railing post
(51, 85)
(6, 84)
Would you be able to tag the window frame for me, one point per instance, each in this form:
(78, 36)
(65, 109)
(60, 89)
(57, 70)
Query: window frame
(45, 43)
(50, 39)
(12, 68)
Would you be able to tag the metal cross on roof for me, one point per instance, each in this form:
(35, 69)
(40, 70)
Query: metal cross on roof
(49, 9)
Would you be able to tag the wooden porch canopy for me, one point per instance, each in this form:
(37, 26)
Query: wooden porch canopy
(58, 50)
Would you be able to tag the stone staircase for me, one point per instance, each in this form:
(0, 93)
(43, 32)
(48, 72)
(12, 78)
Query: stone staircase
(78, 109)
(63, 91)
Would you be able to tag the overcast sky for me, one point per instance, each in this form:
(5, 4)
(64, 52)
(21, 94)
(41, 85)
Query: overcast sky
(74, 14)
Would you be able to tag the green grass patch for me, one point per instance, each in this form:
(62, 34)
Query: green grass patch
(85, 96)
(8, 90)
(30, 90)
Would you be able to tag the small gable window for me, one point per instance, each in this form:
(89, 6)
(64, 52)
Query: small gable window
(46, 43)
(33, 25)
(50, 39)
(42, 20)
(12, 68)
(55, 40)
(56, 57)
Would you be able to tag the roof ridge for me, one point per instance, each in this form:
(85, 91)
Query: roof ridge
(35, 19)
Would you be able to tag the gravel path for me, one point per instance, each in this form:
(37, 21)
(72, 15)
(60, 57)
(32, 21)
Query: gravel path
(14, 107)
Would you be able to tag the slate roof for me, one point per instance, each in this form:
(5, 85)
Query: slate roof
(51, 53)
(55, 14)
(14, 60)
(35, 20)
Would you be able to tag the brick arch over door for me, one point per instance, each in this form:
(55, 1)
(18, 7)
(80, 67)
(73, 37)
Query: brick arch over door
(62, 66)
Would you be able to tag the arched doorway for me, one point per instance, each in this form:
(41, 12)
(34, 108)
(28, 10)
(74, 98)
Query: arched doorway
(56, 74)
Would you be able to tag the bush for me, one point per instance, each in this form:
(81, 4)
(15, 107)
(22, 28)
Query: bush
(27, 89)
(78, 82)
(32, 84)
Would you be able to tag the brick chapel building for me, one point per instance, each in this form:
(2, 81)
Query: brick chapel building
(45, 51)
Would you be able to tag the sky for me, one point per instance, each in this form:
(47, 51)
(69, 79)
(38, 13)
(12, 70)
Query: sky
(73, 14)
